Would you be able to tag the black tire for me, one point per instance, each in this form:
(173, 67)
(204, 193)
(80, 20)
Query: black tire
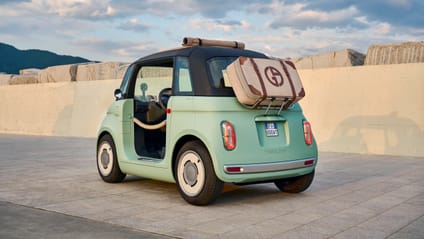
(296, 184)
(195, 175)
(107, 161)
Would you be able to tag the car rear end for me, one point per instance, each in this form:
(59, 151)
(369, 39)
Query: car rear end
(249, 146)
(246, 144)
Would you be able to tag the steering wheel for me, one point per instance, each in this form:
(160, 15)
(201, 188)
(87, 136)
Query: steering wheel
(164, 96)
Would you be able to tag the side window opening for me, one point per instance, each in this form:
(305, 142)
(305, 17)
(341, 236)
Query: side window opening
(227, 82)
(182, 75)
(125, 81)
(216, 67)
(151, 80)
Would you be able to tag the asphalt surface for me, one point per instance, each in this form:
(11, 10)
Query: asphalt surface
(33, 153)
(24, 222)
(50, 188)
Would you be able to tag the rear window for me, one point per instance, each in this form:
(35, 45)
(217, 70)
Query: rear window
(216, 67)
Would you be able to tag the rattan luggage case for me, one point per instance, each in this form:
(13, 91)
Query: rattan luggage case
(265, 82)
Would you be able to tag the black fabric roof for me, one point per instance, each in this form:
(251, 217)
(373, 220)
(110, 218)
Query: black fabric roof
(202, 53)
(198, 56)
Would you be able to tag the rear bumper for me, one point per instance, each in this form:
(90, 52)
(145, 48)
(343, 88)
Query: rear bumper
(268, 167)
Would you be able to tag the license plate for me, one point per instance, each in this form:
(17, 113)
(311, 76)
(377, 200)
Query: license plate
(271, 129)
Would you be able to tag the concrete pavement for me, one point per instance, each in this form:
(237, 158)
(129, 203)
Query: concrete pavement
(353, 196)
(23, 222)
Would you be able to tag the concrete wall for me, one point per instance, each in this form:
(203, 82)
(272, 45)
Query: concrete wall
(63, 109)
(4, 79)
(367, 109)
(363, 109)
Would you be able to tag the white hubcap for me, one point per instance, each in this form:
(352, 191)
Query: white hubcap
(105, 158)
(191, 173)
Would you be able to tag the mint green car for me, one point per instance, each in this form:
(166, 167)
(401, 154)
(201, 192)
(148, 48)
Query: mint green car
(175, 120)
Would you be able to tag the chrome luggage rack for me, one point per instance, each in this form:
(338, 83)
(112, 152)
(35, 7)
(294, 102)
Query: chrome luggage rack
(285, 104)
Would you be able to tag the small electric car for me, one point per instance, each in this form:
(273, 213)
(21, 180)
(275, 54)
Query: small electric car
(175, 119)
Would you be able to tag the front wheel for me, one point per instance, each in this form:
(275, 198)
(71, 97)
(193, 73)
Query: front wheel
(296, 184)
(195, 175)
(107, 161)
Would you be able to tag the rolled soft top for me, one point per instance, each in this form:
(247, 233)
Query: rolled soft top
(189, 41)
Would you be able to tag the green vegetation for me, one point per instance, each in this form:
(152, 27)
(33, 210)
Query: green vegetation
(12, 60)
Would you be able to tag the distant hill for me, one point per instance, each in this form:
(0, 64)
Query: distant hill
(12, 60)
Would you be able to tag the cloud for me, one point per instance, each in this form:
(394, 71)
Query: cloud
(221, 8)
(134, 25)
(13, 1)
(398, 13)
(317, 13)
(220, 25)
(294, 43)
(299, 16)
(116, 50)
(207, 8)
(77, 9)
(394, 12)
(91, 9)
(7, 25)
(382, 28)
(44, 27)
(113, 9)
(101, 29)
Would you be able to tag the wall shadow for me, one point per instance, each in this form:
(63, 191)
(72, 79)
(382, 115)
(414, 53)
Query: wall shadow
(387, 134)
(63, 122)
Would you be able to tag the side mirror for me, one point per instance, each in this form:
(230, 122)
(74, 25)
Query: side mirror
(118, 94)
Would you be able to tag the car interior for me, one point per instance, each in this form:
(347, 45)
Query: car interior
(152, 92)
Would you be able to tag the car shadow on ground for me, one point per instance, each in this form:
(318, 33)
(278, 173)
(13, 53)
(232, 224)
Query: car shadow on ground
(248, 193)
(231, 194)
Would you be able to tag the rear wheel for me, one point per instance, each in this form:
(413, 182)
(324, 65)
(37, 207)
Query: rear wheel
(296, 184)
(195, 175)
(107, 162)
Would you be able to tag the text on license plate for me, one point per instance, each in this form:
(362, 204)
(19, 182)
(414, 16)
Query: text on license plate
(271, 129)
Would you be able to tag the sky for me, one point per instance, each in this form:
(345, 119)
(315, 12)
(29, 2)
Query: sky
(125, 30)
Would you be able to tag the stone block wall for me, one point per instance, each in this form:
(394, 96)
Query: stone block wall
(100, 71)
(409, 52)
(342, 58)
(67, 73)
(23, 79)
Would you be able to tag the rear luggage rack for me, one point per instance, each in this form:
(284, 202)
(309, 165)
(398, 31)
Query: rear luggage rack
(189, 41)
(285, 104)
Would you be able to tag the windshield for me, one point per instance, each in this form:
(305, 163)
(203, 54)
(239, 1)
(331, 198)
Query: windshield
(217, 70)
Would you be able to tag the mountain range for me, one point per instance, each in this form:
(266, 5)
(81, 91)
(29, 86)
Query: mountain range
(12, 59)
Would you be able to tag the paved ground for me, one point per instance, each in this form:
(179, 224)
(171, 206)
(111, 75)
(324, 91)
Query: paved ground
(353, 196)
(23, 222)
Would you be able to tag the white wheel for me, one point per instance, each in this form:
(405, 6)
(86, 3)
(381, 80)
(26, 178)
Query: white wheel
(195, 175)
(107, 161)
(191, 173)
(105, 158)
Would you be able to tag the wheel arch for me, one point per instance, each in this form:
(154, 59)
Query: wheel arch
(103, 133)
(179, 144)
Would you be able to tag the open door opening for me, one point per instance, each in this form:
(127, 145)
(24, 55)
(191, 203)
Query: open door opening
(151, 94)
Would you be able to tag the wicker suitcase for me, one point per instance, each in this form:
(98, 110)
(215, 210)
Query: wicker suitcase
(265, 82)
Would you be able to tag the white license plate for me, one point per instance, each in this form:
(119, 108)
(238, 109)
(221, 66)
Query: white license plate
(271, 129)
